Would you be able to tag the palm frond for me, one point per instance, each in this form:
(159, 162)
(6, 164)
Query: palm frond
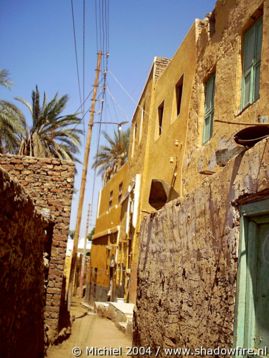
(4, 78)
(112, 156)
(25, 103)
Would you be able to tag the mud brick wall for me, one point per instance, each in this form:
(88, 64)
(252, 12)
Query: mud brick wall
(49, 183)
(188, 261)
(22, 235)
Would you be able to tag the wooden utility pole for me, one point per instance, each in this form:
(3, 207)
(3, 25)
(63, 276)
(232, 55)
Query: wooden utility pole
(82, 270)
(83, 181)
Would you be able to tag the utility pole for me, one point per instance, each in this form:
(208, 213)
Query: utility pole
(84, 252)
(83, 180)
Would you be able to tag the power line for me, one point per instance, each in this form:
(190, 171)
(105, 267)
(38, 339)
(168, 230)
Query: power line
(101, 8)
(115, 103)
(83, 116)
(128, 94)
(83, 182)
(102, 42)
(100, 125)
(107, 25)
(76, 52)
(83, 62)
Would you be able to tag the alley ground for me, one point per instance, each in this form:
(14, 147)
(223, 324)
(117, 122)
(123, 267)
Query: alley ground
(90, 330)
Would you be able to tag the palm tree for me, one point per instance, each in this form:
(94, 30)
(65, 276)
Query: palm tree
(50, 134)
(4, 78)
(11, 120)
(111, 157)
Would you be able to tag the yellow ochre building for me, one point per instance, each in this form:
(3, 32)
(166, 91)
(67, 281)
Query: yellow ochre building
(182, 132)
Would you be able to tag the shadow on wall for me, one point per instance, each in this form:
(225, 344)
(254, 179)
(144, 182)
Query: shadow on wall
(64, 327)
(22, 236)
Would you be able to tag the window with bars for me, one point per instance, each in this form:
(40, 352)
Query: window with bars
(252, 44)
(209, 108)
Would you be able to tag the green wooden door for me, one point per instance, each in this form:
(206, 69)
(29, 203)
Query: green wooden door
(252, 314)
(261, 293)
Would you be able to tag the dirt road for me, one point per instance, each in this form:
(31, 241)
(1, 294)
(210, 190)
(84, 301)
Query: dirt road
(92, 331)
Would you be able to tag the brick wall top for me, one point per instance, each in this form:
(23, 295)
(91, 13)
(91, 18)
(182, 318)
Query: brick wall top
(11, 189)
(48, 181)
(160, 65)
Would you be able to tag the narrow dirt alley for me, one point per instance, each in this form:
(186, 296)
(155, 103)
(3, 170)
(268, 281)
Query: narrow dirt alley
(90, 332)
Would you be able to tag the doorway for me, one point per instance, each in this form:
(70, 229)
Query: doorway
(252, 309)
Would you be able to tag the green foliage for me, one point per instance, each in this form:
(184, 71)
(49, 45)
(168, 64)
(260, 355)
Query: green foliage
(90, 235)
(71, 234)
(112, 156)
(12, 122)
(51, 134)
(4, 78)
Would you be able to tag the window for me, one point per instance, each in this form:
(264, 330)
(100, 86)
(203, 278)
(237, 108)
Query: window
(209, 108)
(120, 192)
(160, 117)
(179, 89)
(135, 132)
(134, 139)
(110, 199)
(212, 24)
(141, 123)
(252, 44)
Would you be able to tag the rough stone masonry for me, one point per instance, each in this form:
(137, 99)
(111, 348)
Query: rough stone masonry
(22, 237)
(189, 253)
(49, 182)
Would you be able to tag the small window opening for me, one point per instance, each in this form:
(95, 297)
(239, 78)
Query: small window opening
(179, 90)
(110, 199)
(141, 123)
(134, 139)
(120, 192)
(212, 24)
(160, 117)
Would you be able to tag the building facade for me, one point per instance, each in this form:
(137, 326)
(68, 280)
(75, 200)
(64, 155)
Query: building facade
(200, 188)
(106, 267)
(203, 268)
(125, 215)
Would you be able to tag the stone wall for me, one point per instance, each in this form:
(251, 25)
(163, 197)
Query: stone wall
(49, 182)
(188, 261)
(22, 237)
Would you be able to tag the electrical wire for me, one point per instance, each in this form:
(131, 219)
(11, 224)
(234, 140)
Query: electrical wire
(83, 63)
(99, 129)
(101, 9)
(117, 104)
(128, 94)
(83, 103)
(76, 51)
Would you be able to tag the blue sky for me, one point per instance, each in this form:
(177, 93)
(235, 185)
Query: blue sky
(37, 47)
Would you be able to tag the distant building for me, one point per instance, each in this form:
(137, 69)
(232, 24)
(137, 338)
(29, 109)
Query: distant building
(114, 255)
(106, 271)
